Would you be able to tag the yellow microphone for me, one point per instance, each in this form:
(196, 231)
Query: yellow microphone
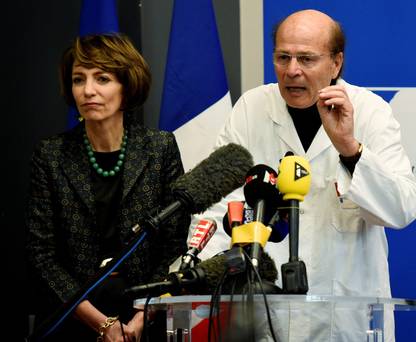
(294, 181)
(294, 178)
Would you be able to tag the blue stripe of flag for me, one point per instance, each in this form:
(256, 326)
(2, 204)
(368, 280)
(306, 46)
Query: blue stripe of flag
(194, 75)
(98, 16)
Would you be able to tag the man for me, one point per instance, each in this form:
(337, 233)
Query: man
(361, 176)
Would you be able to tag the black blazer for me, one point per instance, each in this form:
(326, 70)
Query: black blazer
(63, 238)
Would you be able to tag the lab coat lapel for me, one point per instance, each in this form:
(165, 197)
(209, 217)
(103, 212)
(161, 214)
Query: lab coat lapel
(319, 144)
(287, 133)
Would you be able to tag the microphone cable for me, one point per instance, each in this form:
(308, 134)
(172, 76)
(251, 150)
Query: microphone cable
(215, 308)
(216, 302)
(266, 304)
(247, 301)
(215, 305)
(145, 320)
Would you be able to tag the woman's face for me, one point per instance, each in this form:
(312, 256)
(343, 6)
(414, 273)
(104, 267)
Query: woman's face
(97, 93)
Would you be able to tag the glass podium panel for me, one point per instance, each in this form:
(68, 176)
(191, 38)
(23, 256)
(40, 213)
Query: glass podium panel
(283, 318)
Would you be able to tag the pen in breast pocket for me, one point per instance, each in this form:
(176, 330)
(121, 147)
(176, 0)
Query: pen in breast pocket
(338, 194)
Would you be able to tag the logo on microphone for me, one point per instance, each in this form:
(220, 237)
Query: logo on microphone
(300, 171)
(268, 177)
(202, 233)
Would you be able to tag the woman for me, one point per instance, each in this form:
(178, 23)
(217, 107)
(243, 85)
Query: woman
(91, 184)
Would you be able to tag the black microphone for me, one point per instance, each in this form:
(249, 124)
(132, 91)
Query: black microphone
(206, 184)
(202, 233)
(261, 193)
(260, 190)
(204, 278)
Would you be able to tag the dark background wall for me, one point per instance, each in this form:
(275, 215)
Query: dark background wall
(34, 35)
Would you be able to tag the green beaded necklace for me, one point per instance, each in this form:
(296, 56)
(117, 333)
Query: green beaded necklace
(93, 160)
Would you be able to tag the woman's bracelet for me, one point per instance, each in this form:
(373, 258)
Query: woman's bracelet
(108, 323)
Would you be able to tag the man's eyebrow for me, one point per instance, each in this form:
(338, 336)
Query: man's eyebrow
(304, 52)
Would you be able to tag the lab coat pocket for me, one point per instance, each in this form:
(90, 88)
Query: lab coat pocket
(345, 216)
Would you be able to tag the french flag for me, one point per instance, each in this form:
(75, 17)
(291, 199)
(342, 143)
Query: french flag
(195, 98)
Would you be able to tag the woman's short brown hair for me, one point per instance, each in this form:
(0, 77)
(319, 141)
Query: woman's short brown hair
(114, 53)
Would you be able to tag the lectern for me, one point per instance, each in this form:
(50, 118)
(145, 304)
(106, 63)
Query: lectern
(292, 317)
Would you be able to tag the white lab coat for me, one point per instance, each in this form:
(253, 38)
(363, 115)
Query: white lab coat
(341, 238)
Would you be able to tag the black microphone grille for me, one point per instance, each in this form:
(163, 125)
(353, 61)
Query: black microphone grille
(214, 177)
(261, 184)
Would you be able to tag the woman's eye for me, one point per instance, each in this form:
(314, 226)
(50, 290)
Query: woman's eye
(103, 79)
(76, 80)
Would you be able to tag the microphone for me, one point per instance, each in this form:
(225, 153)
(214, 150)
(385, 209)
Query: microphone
(260, 190)
(234, 216)
(279, 226)
(294, 180)
(235, 213)
(212, 179)
(248, 215)
(278, 222)
(202, 233)
(260, 193)
(204, 278)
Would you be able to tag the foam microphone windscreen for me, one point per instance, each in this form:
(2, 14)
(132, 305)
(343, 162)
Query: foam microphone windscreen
(212, 271)
(213, 178)
(214, 268)
(267, 268)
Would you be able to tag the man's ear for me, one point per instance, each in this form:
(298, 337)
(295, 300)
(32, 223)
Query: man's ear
(338, 62)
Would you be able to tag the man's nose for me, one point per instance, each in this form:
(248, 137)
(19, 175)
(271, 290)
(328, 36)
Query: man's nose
(293, 68)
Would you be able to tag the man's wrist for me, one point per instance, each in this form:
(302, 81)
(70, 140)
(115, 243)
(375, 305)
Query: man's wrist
(351, 161)
(354, 157)
(349, 149)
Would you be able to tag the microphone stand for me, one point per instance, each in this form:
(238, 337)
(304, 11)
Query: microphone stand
(294, 276)
(294, 181)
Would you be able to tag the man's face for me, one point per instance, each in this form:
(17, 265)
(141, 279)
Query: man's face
(301, 78)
